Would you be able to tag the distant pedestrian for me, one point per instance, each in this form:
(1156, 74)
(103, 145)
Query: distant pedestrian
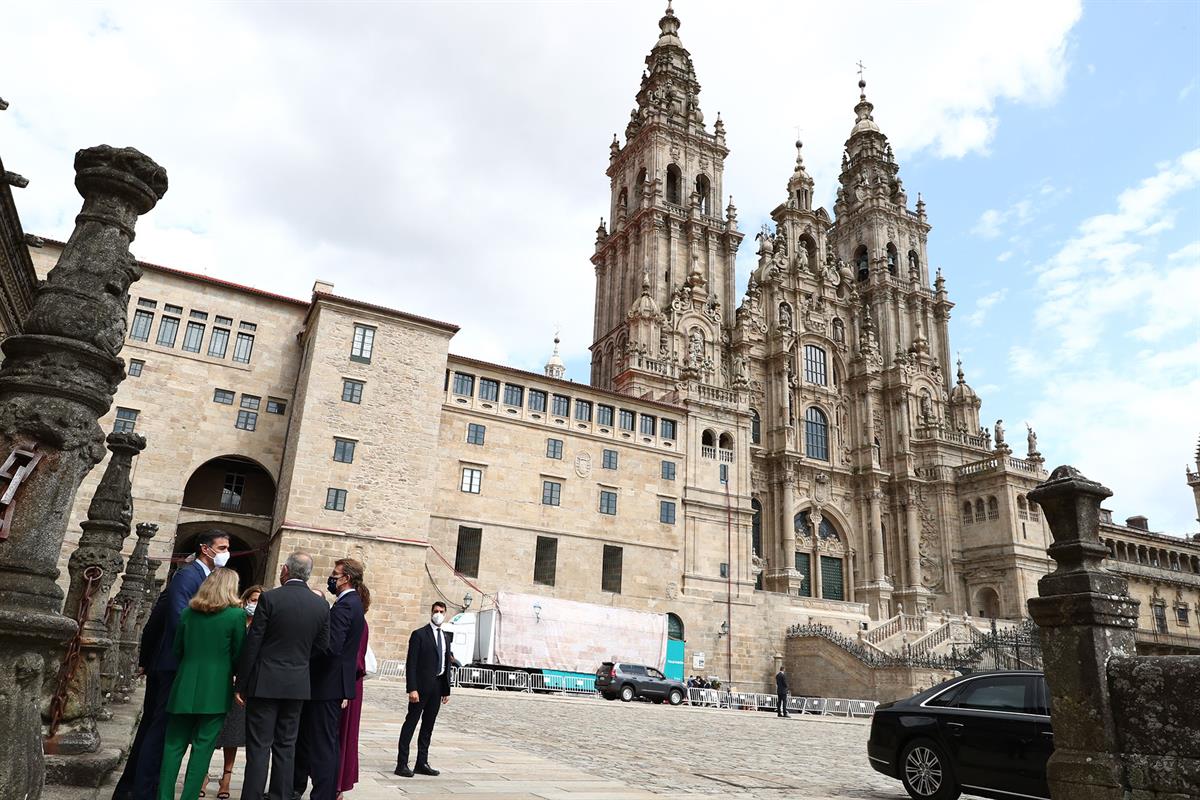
(290, 625)
(427, 674)
(157, 661)
(208, 642)
(233, 733)
(781, 692)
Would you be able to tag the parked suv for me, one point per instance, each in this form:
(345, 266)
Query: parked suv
(629, 681)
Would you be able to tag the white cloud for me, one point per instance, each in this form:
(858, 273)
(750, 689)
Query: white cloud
(983, 305)
(1005, 256)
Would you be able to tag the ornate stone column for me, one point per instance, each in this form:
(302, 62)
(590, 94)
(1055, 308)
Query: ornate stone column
(1086, 618)
(131, 599)
(913, 539)
(58, 378)
(877, 565)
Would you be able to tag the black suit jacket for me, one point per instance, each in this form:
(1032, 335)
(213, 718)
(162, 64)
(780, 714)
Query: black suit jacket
(291, 624)
(421, 668)
(780, 682)
(334, 670)
(157, 649)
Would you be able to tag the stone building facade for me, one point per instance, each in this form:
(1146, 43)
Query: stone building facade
(806, 456)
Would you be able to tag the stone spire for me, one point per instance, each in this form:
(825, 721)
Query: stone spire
(869, 169)
(669, 89)
(555, 368)
(800, 185)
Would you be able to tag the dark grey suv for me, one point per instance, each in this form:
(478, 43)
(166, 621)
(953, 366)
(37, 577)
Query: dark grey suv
(630, 681)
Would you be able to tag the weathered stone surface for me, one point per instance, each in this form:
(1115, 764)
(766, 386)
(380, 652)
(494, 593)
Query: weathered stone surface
(1154, 700)
(129, 601)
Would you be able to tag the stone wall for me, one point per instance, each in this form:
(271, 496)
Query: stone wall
(1158, 724)
(820, 668)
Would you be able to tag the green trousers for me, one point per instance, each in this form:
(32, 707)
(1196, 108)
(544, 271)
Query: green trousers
(198, 730)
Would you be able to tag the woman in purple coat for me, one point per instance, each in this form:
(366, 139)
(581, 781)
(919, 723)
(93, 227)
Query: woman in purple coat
(352, 713)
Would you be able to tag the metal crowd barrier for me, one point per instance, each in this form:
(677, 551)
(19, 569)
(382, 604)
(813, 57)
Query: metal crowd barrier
(585, 686)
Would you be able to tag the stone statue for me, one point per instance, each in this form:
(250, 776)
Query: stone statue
(785, 316)
(926, 406)
(1031, 439)
(695, 349)
(801, 259)
(999, 433)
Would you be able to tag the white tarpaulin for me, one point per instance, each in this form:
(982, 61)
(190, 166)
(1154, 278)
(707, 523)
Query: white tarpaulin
(546, 633)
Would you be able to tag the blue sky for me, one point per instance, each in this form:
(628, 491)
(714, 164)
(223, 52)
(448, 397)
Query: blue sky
(448, 158)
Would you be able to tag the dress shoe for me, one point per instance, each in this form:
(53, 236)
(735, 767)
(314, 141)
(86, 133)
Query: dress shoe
(425, 769)
(403, 771)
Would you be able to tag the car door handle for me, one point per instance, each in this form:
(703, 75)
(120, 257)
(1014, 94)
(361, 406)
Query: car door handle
(1048, 733)
(956, 728)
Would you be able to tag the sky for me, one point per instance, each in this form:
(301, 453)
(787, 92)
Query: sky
(447, 158)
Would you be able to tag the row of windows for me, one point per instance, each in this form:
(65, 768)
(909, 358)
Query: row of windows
(193, 334)
(863, 265)
(816, 432)
(978, 512)
(471, 482)
(545, 560)
(477, 434)
(463, 385)
(1158, 612)
(247, 416)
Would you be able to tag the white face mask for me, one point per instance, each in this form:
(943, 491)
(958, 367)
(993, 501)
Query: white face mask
(221, 559)
(250, 609)
(438, 618)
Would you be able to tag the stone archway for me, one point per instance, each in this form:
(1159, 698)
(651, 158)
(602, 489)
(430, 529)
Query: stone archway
(986, 603)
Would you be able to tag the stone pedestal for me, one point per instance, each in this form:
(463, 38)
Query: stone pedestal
(1086, 618)
(130, 601)
(58, 378)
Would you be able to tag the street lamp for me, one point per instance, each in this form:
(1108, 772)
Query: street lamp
(467, 599)
(723, 630)
(537, 612)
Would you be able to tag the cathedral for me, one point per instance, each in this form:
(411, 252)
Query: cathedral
(865, 440)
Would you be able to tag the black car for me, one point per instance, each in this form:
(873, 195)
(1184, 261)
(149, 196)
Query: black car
(632, 681)
(987, 733)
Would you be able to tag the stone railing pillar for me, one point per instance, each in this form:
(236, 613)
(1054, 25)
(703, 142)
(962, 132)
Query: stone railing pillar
(1086, 618)
(58, 378)
(131, 599)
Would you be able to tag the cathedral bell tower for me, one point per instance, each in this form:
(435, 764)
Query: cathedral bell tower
(665, 268)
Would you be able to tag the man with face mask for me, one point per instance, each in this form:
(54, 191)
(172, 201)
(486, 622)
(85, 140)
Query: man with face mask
(427, 673)
(157, 661)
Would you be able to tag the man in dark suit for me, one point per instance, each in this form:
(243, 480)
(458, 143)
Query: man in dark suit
(334, 676)
(290, 625)
(781, 693)
(427, 673)
(157, 661)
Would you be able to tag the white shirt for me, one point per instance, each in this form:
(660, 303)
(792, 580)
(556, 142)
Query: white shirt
(343, 593)
(204, 567)
(441, 645)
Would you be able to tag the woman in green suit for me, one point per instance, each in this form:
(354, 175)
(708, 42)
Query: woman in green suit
(208, 642)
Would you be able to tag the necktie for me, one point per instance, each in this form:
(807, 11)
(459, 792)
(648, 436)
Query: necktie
(441, 652)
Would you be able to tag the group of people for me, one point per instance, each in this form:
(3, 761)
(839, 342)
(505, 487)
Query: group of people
(277, 671)
(699, 682)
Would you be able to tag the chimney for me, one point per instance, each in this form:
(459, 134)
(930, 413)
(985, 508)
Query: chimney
(322, 287)
(1139, 522)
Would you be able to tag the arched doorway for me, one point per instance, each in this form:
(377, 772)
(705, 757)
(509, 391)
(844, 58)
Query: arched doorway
(821, 560)
(987, 603)
(675, 648)
(246, 544)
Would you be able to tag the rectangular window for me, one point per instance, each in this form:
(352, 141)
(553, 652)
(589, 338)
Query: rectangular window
(537, 400)
(551, 493)
(475, 433)
(604, 415)
(1160, 617)
(554, 448)
(626, 420)
(223, 396)
(173, 309)
(1181, 615)
(466, 554)
(135, 367)
(200, 315)
(562, 406)
(804, 568)
(126, 420)
(814, 365)
(724, 473)
(610, 576)
(335, 499)
(276, 406)
(608, 502)
(226, 321)
(232, 491)
(139, 331)
(193, 337)
(471, 478)
(251, 402)
(583, 411)
(489, 389)
(464, 384)
(666, 512)
(666, 428)
(242, 348)
(343, 450)
(146, 302)
(668, 470)
(218, 342)
(351, 391)
(247, 326)
(545, 561)
(247, 420)
(364, 343)
(609, 459)
(648, 425)
(168, 329)
(513, 395)
(831, 579)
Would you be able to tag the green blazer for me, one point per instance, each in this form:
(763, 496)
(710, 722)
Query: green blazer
(207, 646)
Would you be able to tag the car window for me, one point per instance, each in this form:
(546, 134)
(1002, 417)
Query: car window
(633, 669)
(946, 698)
(653, 673)
(1001, 693)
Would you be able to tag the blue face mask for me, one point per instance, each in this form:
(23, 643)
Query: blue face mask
(331, 584)
(249, 609)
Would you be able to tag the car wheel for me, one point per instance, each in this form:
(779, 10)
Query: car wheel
(925, 771)
(675, 697)
(627, 693)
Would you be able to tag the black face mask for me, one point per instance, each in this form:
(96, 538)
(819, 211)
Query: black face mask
(331, 584)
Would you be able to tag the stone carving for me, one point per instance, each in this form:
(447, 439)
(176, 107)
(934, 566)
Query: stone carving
(583, 464)
(785, 316)
(672, 590)
(57, 379)
(130, 600)
(929, 548)
(1031, 441)
(1000, 444)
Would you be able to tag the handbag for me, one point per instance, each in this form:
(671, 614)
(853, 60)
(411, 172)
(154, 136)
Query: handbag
(371, 663)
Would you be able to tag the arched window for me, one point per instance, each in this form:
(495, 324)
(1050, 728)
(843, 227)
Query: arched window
(815, 365)
(980, 511)
(726, 441)
(993, 508)
(704, 192)
(641, 181)
(1022, 509)
(987, 603)
(968, 518)
(892, 257)
(755, 427)
(816, 434)
(1033, 511)
(914, 262)
(674, 181)
(708, 439)
(861, 263)
(674, 627)
(839, 330)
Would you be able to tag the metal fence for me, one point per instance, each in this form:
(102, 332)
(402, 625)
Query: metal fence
(585, 686)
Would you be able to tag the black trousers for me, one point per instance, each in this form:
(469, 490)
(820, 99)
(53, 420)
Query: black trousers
(317, 749)
(140, 777)
(781, 704)
(272, 727)
(426, 712)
